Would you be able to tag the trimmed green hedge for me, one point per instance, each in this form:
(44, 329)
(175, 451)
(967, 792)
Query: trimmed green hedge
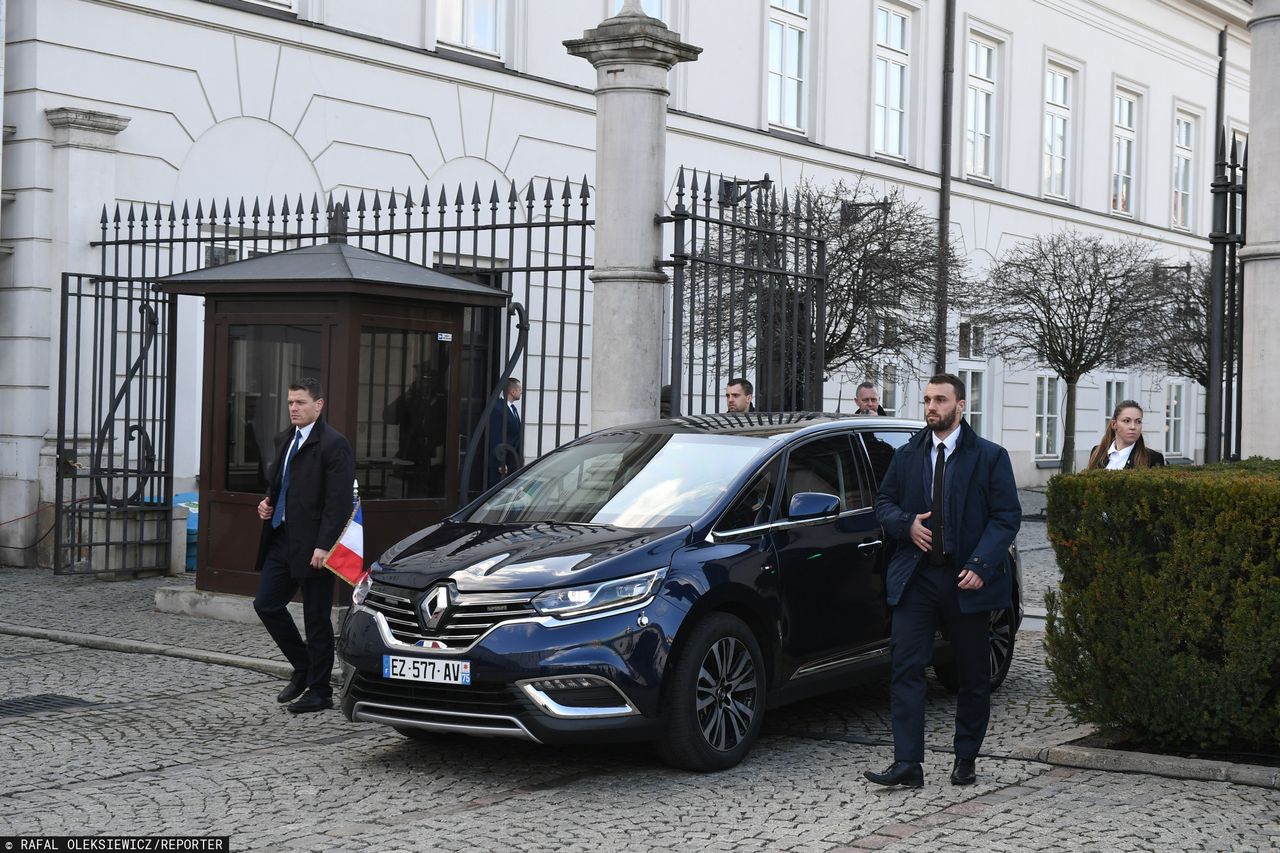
(1167, 623)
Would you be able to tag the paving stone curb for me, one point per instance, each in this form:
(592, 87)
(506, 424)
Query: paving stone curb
(118, 644)
(1173, 766)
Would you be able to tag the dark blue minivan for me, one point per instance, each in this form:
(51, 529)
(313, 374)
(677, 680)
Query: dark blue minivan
(667, 581)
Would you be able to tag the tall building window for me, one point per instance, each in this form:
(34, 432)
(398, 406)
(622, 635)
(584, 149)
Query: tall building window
(889, 390)
(1124, 146)
(1046, 415)
(979, 149)
(1183, 164)
(972, 341)
(652, 8)
(891, 63)
(1115, 394)
(975, 408)
(472, 24)
(1057, 130)
(788, 29)
(1173, 420)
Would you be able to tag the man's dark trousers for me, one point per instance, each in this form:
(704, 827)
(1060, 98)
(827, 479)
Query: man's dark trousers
(276, 588)
(930, 598)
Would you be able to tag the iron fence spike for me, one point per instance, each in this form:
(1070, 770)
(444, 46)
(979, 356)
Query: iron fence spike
(359, 203)
(458, 200)
(131, 216)
(185, 215)
(377, 201)
(105, 220)
(475, 194)
(548, 194)
(241, 212)
(444, 200)
(514, 196)
(494, 198)
(567, 193)
(199, 211)
(256, 212)
(529, 195)
(586, 189)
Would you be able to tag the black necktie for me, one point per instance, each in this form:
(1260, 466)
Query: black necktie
(935, 518)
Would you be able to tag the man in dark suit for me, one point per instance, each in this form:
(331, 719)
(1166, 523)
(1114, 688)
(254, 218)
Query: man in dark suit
(868, 399)
(950, 504)
(506, 434)
(303, 515)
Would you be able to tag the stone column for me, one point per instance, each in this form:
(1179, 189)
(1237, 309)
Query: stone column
(1261, 346)
(632, 54)
(54, 238)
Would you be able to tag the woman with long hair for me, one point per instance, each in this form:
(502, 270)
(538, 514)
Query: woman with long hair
(1122, 445)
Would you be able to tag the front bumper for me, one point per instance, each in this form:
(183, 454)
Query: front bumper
(537, 678)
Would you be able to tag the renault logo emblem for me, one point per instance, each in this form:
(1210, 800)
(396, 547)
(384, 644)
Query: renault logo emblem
(434, 606)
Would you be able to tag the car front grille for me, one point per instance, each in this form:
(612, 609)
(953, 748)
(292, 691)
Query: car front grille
(456, 699)
(469, 618)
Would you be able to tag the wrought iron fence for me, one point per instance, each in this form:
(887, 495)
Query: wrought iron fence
(115, 431)
(748, 295)
(533, 241)
(1226, 316)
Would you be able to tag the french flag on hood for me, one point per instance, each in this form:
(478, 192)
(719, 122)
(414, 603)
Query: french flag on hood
(346, 560)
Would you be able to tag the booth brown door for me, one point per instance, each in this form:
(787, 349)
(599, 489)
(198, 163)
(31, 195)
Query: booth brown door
(251, 356)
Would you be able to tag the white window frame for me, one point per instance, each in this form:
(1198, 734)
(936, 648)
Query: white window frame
(971, 341)
(649, 6)
(785, 17)
(1182, 182)
(1115, 392)
(890, 58)
(890, 390)
(465, 9)
(1124, 136)
(1047, 433)
(975, 410)
(1175, 399)
(981, 106)
(1059, 102)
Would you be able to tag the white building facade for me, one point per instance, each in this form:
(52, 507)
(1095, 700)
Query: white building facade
(1097, 116)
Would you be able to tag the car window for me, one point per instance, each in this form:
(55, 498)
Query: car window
(630, 480)
(880, 446)
(755, 505)
(827, 466)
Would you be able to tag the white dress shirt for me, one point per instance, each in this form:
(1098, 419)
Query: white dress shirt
(1117, 459)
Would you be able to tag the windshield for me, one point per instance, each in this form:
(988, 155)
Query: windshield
(637, 480)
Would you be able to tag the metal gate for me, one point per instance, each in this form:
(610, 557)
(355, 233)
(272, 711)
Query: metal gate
(748, 295)
(114, 485)
(116, 404)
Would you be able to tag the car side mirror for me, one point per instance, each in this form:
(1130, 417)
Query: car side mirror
(810, 505)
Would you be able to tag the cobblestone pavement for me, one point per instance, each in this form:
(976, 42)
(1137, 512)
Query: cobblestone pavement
(176, 746)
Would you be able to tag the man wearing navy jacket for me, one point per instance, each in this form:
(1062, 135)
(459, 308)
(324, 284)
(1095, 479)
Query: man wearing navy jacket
(303, 515)
(950, 505)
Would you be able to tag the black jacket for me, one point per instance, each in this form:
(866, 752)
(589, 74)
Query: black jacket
(1154, 457)
(319, 502)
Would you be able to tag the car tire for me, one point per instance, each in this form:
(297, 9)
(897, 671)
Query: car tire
(714, 697)
(1000, 638)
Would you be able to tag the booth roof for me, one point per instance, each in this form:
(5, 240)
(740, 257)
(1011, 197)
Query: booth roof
(330, 267)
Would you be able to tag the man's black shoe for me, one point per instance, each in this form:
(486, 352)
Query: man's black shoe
(297, 684)
(962, 773)
(908, 774)
(311, 701)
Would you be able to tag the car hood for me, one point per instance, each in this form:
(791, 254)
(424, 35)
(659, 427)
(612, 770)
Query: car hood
(511, 557)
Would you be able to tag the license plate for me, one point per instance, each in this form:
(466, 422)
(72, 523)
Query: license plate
(432, 670)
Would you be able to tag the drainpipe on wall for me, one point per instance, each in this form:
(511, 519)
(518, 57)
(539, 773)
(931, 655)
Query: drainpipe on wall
(944, 196)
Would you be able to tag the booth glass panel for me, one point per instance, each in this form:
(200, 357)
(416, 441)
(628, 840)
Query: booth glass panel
(403, 400)
(262, 361)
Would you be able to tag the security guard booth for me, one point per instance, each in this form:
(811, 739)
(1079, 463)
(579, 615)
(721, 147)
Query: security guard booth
(396, 347)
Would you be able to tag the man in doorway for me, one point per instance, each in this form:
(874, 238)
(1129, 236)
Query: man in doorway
(303, 515)
(506, 433)
(738, 395)
(868, 399)
(950, 501)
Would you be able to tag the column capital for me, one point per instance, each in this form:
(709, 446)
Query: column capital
(81, 128)
(632, 36)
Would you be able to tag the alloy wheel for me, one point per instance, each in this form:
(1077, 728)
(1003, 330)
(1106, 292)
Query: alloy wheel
(725, 695)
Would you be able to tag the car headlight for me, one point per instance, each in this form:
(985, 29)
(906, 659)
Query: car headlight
(361, 591)
(577, 600)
